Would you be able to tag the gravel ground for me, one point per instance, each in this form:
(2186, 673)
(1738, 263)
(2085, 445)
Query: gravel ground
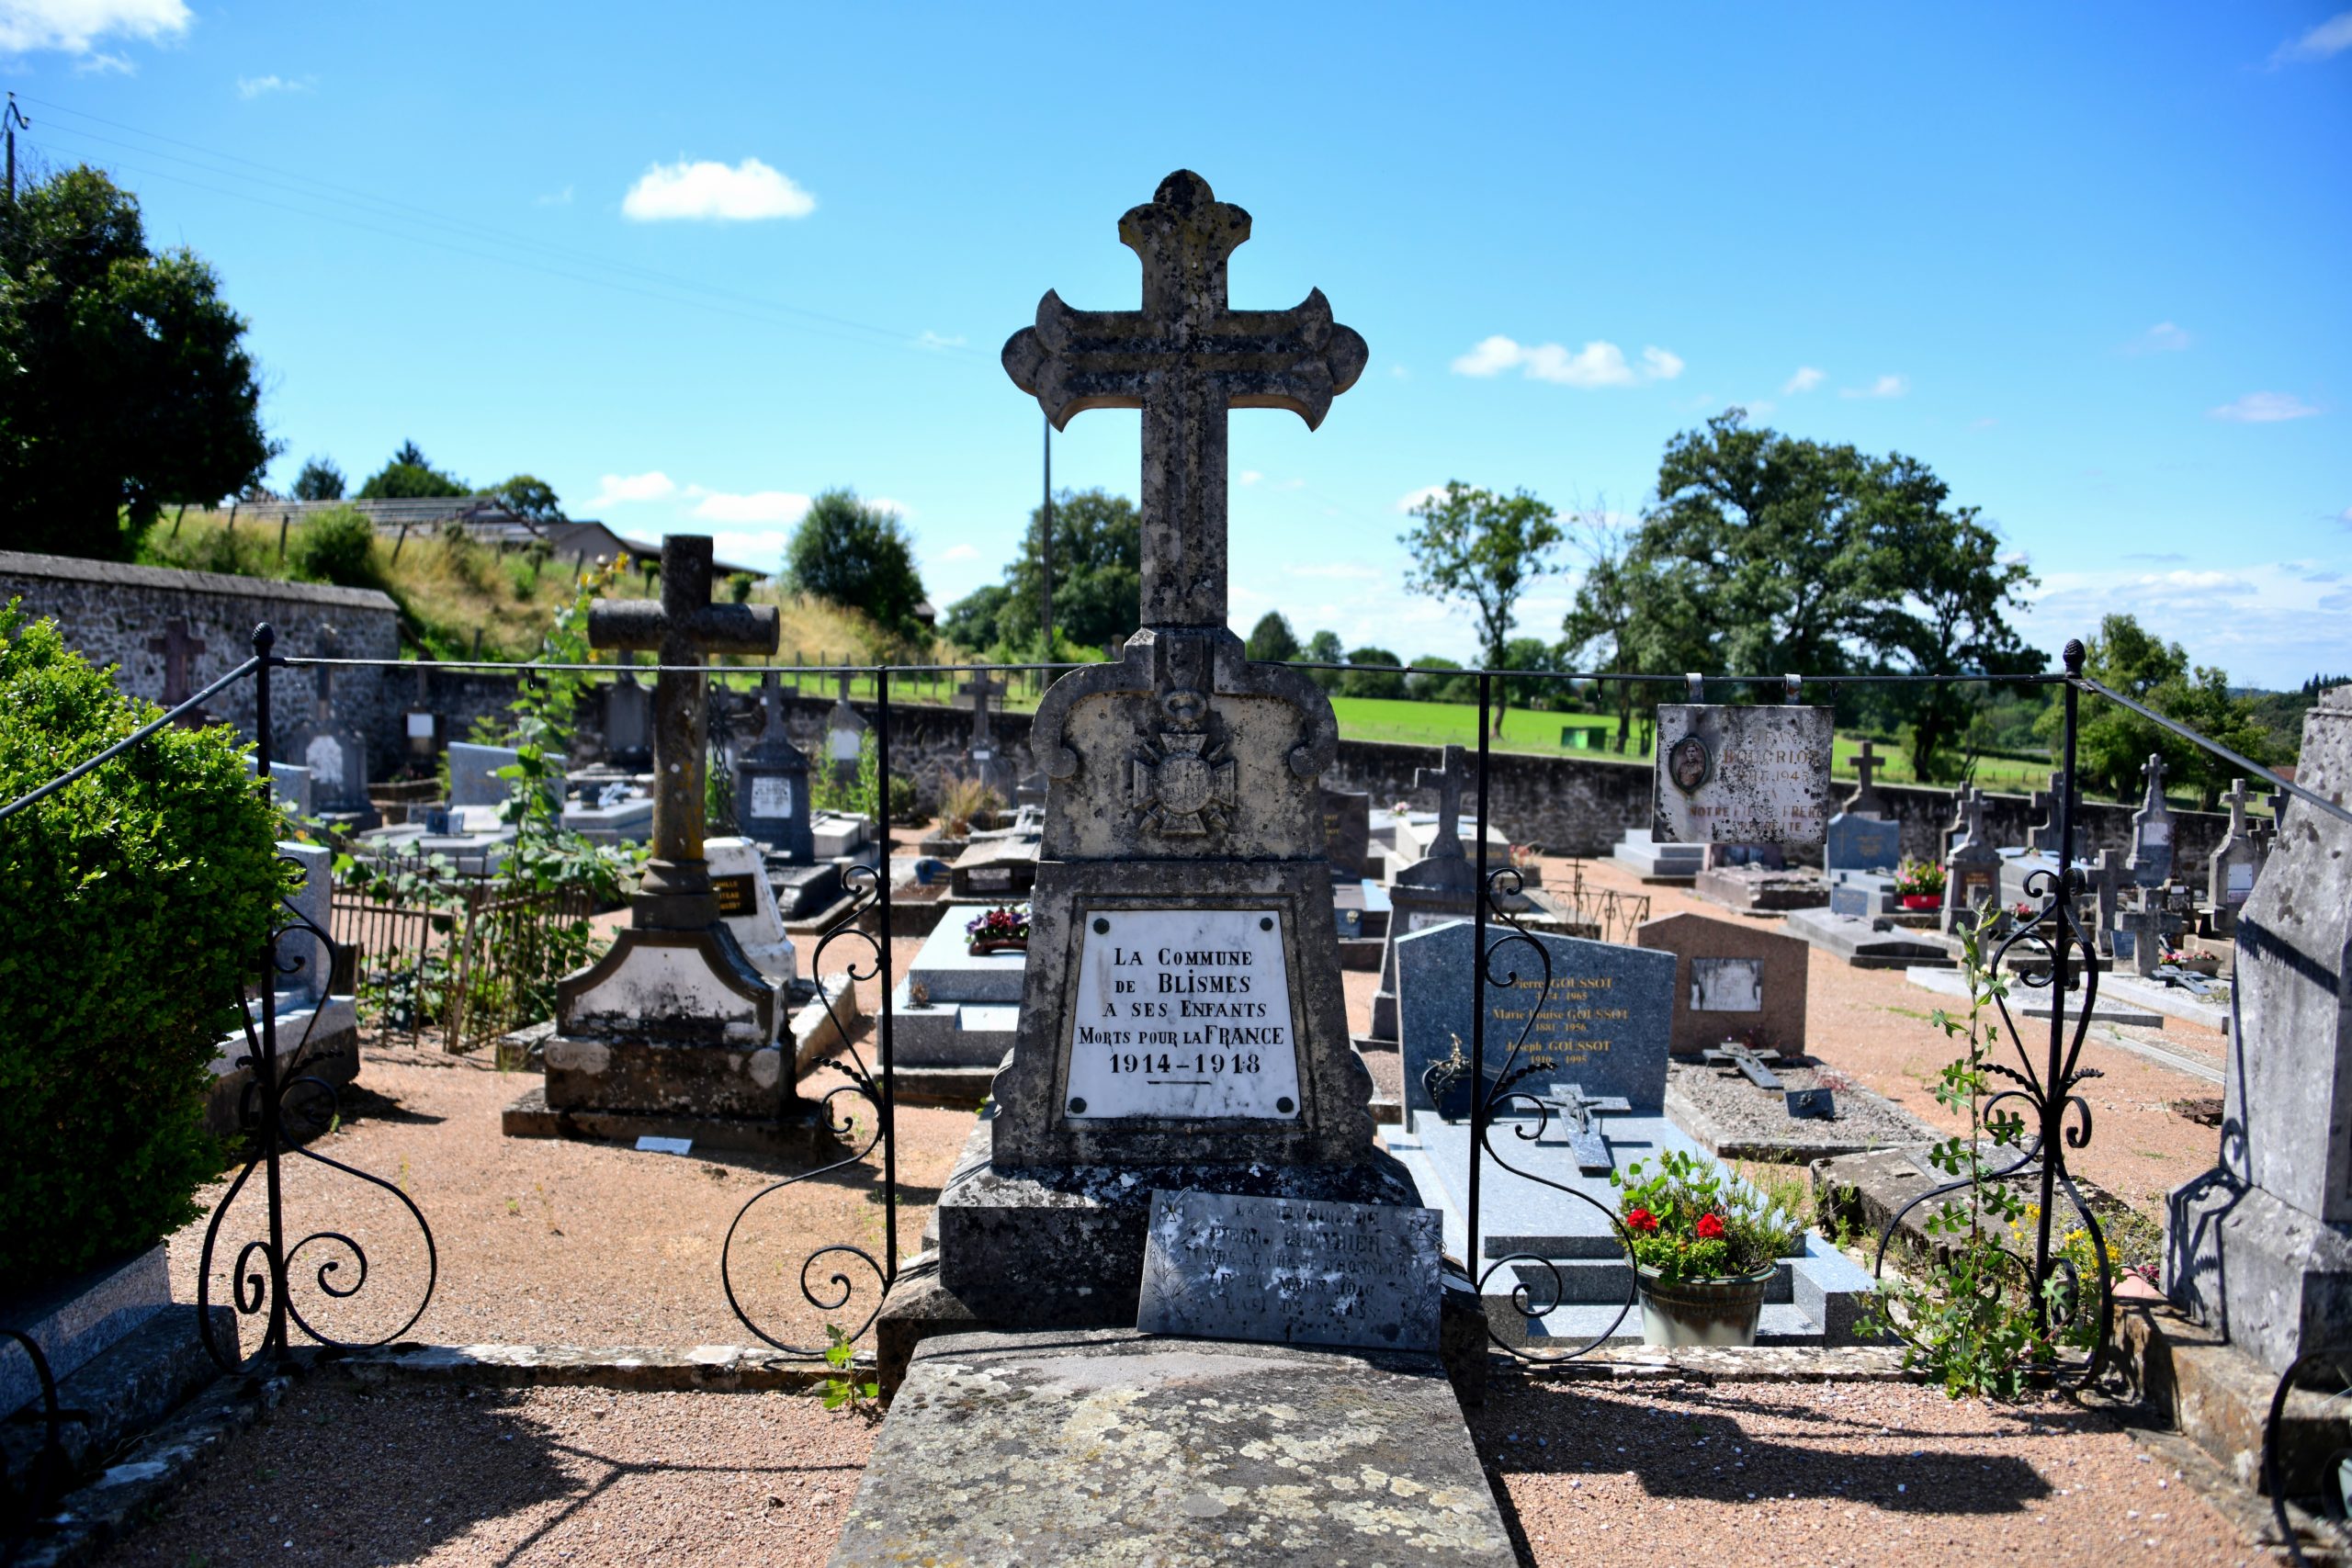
(429, 1475)
(1837, 1473)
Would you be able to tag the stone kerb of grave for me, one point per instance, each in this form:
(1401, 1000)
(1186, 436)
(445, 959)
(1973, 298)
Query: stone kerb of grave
(1730, 982)
(2261, 1245)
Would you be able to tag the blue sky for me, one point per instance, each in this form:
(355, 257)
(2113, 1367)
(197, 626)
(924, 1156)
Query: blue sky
(693, 264)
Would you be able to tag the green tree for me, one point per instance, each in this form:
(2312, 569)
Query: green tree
(318, 481)
(529, 498)
(125, 382)
(1425, 686)
(1366, 677)
(971, 622)
(1486, 550)
(858, 557)
(1271, 640)
(409, 477)
(1098, 573)
(1604, 629)
(2113, 743)
(1324, 648)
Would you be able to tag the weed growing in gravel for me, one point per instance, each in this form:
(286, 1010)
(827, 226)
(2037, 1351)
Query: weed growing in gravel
(842, 1391)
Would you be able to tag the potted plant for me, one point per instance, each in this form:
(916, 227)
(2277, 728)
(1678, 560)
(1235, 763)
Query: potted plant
(1450, 1083)
(1920, 884)
(1001, 930)
(1706, 1248)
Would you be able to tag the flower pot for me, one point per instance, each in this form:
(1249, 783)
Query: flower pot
(1703, 1311)
(1923, 900)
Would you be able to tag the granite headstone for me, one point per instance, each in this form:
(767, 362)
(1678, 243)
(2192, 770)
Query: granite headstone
(1291, 1271)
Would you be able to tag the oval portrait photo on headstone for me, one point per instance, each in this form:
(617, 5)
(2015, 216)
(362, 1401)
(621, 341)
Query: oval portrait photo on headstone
(1687, 764)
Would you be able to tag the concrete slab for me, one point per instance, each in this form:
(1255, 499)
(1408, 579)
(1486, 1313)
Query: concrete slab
(948, 973)
(1873, 944)
(1112, 1447)
(2028, 1002)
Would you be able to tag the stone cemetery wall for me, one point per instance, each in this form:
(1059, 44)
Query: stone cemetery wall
(106, 611)
(1572, 805)
(1925, 813)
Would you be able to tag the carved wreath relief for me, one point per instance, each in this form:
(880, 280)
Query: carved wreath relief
(1180, 780)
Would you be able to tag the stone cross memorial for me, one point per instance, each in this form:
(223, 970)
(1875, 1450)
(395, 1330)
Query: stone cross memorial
(1743, 776)
(2237, 858)
(1441, 885)
(178, 647)
(2151, 861)
(772, 783)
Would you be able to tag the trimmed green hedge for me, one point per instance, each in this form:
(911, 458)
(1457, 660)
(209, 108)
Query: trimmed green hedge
(138, 899)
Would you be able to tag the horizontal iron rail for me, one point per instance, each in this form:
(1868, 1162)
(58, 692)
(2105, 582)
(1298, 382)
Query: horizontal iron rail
(2297, 791)
(126, 742)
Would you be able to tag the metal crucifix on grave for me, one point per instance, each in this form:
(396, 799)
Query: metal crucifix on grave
(1185, 358)
(683, 628)
(1448, 779)
(1588, 1145)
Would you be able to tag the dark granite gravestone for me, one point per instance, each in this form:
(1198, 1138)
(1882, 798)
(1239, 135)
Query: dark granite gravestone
(628, 721)
(1442, 886)
(1865, 801)
(984, 756)
(1872, 845)
(1347, 833)
(1743, 776)
(2151, 849)
(1291, 1271)
(1603, 1022)
(1732, 981)
(2261, 1245)
(329, 745)
(772, 784)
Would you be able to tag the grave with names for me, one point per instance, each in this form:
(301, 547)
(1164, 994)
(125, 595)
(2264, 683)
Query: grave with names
(1862, 848)
(1971, 867)
(984, 757)
(1732, 981)
(772, 783)
(1743, 776)
(2237, 861)
(331, 748)
(629, 719)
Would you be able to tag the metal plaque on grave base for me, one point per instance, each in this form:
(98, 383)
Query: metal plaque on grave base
(1291, 1271)
(1743, 776)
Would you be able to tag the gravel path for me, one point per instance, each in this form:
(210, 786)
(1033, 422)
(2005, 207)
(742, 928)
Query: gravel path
(580, 1476)
(1832, 1473)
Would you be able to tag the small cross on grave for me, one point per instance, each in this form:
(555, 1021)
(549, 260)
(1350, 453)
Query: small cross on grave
(179, 647)
(1865, 801)
(982, 690)
(2144, 924)
(841, 686)
(684, 627)
(1449, 780)
(1746, 1059)
(1587, 1143)
(1185, 358)
(772, 690)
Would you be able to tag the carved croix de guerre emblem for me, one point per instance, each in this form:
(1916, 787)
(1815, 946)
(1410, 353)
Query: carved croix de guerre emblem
(1180, 784)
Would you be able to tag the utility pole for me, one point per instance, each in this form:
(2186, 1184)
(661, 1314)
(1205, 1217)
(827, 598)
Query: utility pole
(10, 119)
(1046, 547)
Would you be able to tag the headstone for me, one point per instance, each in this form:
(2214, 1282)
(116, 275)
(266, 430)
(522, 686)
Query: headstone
(1869, 845)
(473, 773)
(984, 756)
(1732, 980)
(1743, 776)
(2237, 858)
(1958, 826)
(1291, 1271)
(335, 753)
(739, 875)
(846, 730)
(1347, 833)
(179, 649)
(2261, 1245)
(1443, 885)
(2042, 837)
(1603, 1022)
(629, 720)
(1866, 801)
(2151, 827)
(772, 784)
(1973, 869)
(1181, 1023)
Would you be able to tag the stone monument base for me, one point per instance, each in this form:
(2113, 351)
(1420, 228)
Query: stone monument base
(801, 1138)
(2273, 1279)
(1753, 891)
(1025, 1449)
(653, 1077)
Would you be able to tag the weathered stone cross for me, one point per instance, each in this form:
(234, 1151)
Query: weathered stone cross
(2236, 800)
(1185, 358)
(179, 647)
(1448, 782)
(1867, 763)
(2153, 770)
(683, 628)
(980, 689)
(772, 693)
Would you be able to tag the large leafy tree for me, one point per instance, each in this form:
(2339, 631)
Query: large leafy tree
(1271, 640)
(409, 477)
(124, 379)
(1098, 573)
(857, 555)
(529, 498)
(2113, 743)
(318, 481)
(1485, 550)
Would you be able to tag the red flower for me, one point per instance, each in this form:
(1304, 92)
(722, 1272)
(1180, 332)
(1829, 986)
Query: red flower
(1640, 1220)
(1710, 1227)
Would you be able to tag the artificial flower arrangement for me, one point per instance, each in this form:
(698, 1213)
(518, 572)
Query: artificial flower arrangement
(1918, 879)
(1001, 930)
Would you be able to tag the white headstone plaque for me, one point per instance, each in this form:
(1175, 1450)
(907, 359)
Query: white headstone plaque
(1743, 776)
(325, 758)
(771, 795)
(1182, 1013)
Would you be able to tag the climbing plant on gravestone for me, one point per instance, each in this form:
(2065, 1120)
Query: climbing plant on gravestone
(140, 897)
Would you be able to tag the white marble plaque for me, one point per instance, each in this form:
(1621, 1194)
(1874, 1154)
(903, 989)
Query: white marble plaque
(1743, 776)
(1727, 985)
(324, 759)
(771, 795)
(1182, 1013)
(420, 727)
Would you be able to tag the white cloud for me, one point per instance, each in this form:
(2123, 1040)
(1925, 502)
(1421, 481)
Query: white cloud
(2264, 408)
(613, 489)
(251, 87)
(1399, 372)
(2301, 625)
(1412, 498)
(710, 190)
(2165, 337)
(1251, 476)
(759, 506)
(958, 552)
(1596, 364)
(1884, 386)
(1804, 380)
(104, 64)
(557, 199)
(932, 340)
(2325, 41)
(884, 503)
(76, 27)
